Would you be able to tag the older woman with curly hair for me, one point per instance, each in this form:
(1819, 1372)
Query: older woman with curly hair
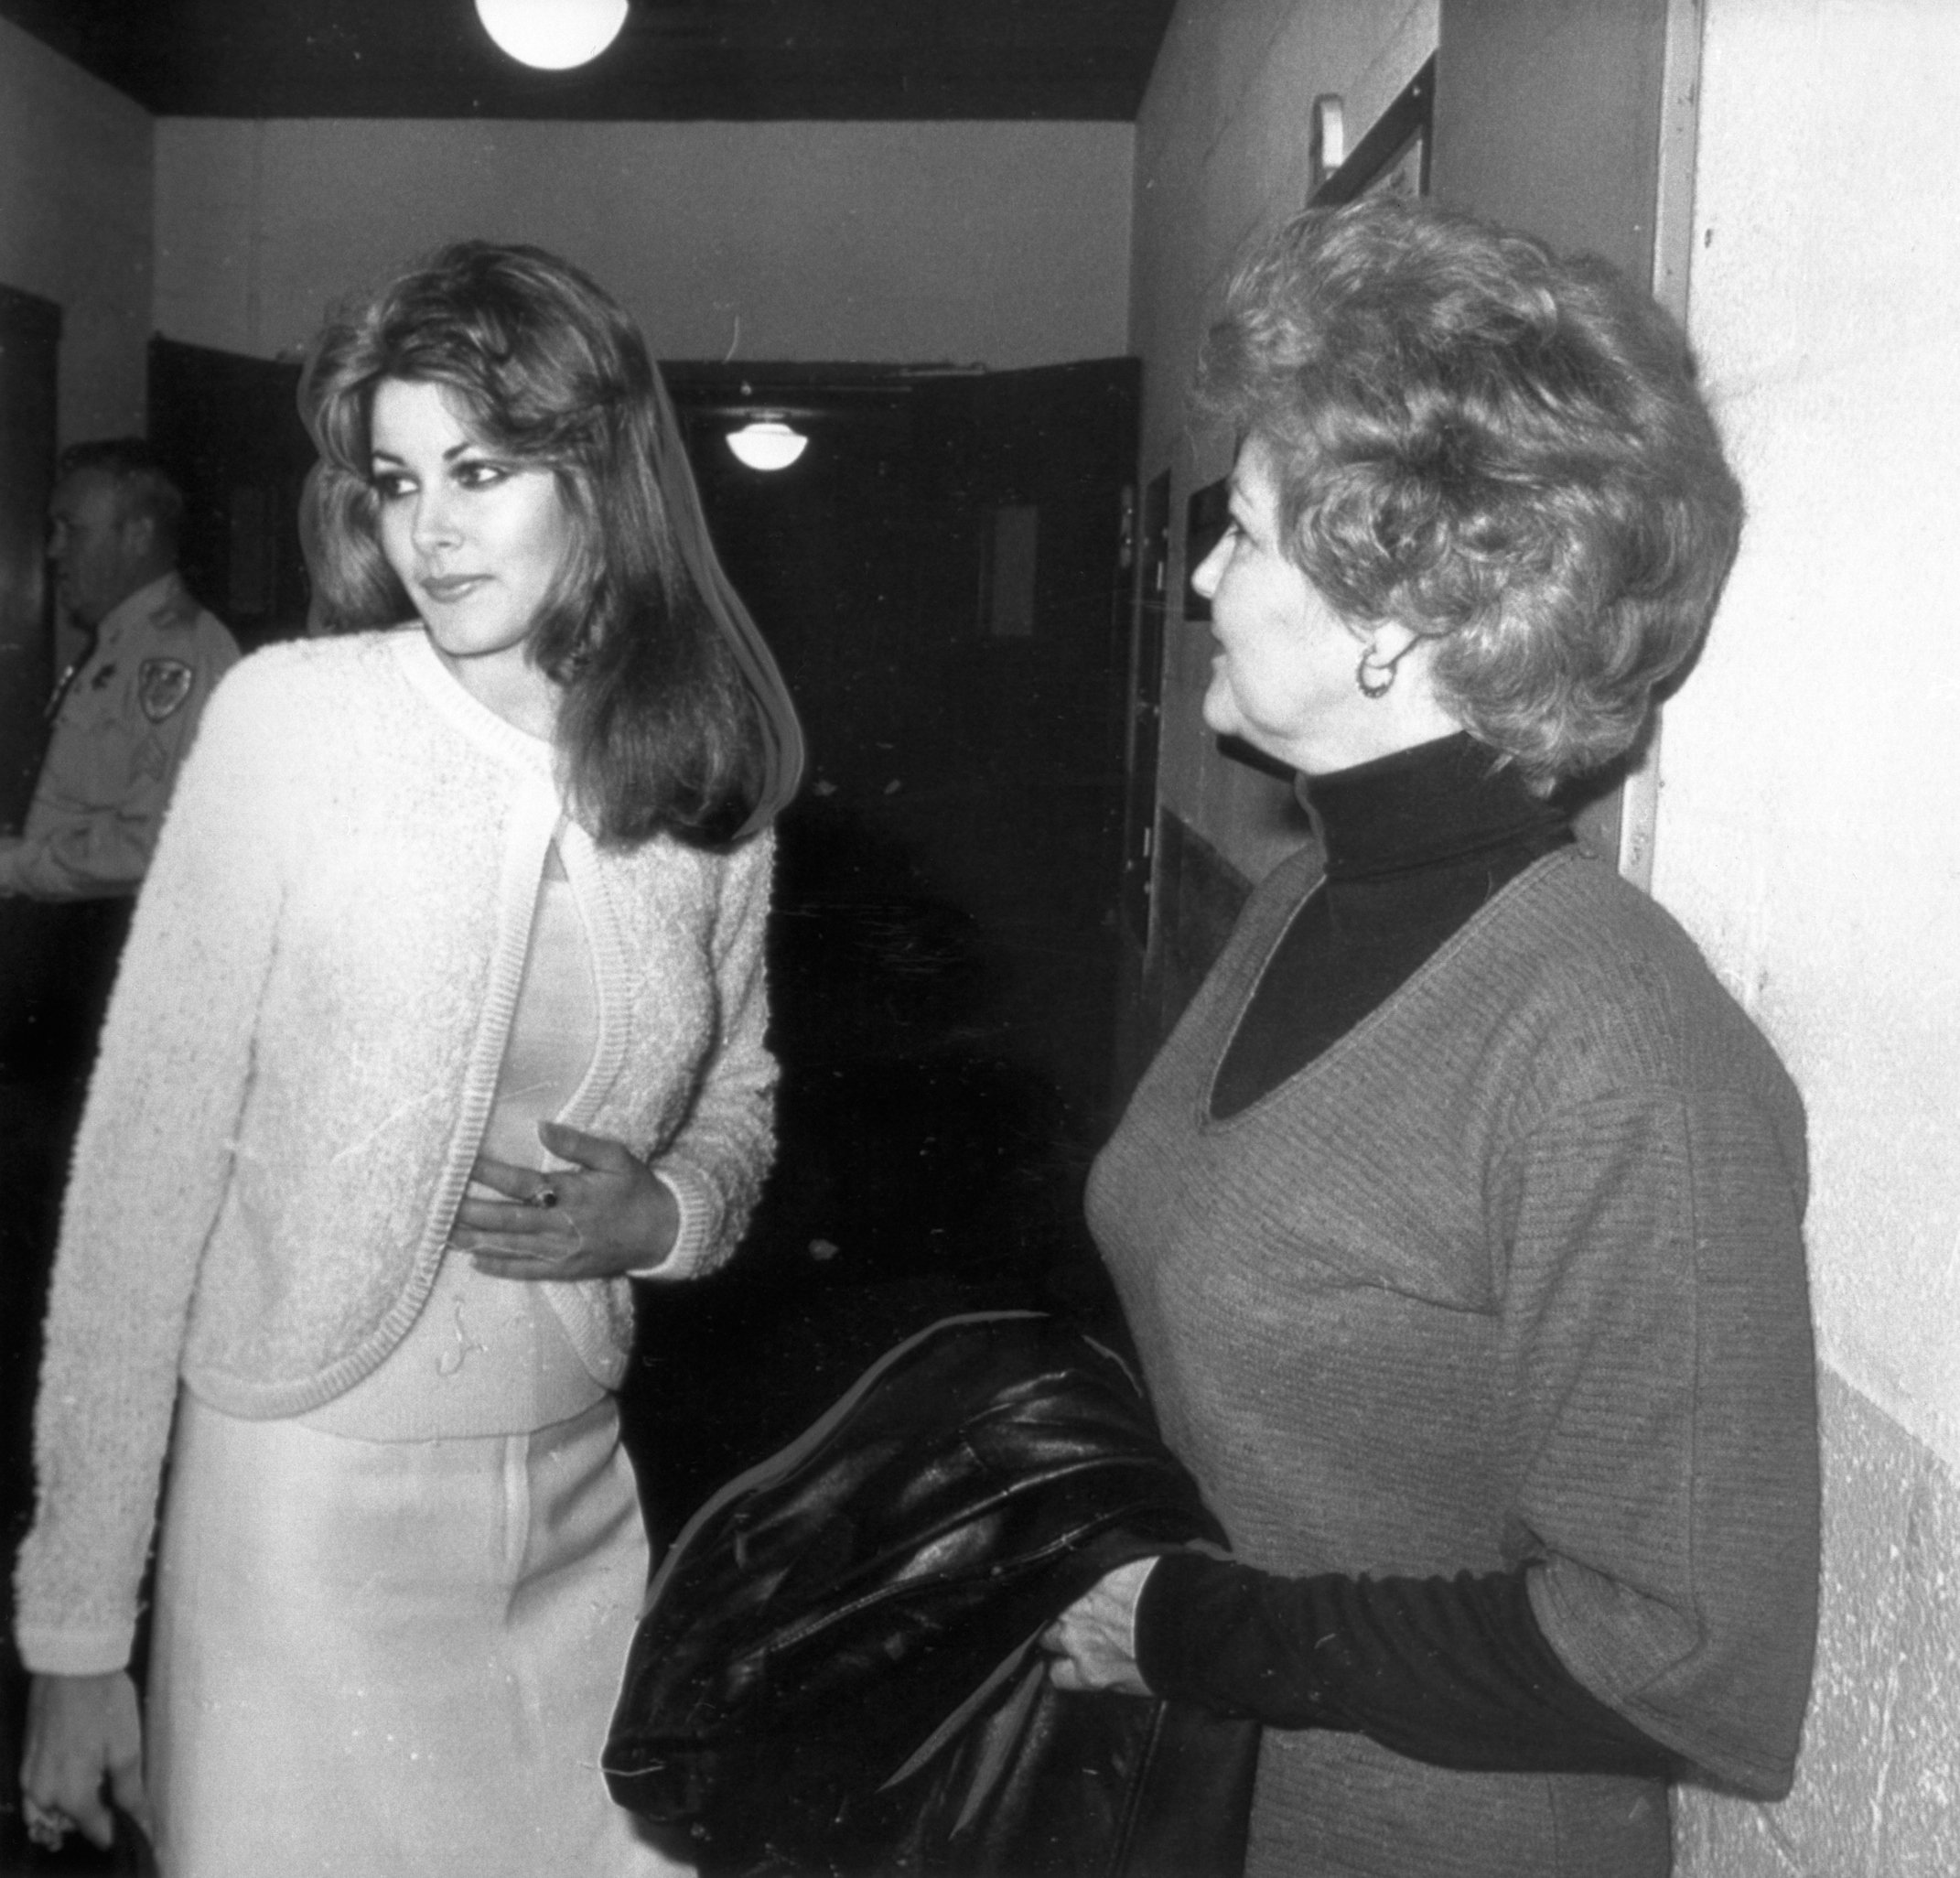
(1458, 1221)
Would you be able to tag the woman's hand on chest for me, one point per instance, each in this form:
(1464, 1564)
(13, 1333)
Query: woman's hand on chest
(608, 1215)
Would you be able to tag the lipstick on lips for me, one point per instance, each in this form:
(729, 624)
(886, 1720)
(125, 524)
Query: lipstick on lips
(448, 589)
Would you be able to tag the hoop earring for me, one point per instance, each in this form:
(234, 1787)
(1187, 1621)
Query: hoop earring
(1382, 676)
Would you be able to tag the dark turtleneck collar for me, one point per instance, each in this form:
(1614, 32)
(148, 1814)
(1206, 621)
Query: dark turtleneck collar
(1414, 844)
(1439, 801)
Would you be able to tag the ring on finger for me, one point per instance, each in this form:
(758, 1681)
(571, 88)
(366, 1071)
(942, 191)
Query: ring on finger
(544, 1194)
(47, 1826)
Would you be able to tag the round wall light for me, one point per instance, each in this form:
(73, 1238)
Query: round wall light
(767, 443)
(552, 35)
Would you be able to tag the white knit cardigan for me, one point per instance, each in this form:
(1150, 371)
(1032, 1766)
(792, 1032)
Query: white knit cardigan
(299, 1060)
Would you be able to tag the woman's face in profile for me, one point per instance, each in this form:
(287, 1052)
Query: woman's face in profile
(1282, 676)
(477, 538)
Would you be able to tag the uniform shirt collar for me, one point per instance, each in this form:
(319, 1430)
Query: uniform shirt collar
(137, 605)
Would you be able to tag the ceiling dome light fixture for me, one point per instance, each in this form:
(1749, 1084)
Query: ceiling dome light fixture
(767, 443)
(552, 35)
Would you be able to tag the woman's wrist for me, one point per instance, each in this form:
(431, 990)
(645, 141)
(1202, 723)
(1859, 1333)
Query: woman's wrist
(666, 1225)
(1156, 1633)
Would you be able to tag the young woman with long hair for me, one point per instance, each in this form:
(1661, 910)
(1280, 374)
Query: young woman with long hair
(442, 1019)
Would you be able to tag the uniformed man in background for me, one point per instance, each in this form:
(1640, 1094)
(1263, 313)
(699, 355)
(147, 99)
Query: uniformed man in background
(124, 715)
(123, 718)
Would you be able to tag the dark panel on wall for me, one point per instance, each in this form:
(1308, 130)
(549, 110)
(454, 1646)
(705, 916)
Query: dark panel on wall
(1147, 711)
(1203, 895)
(30, 340)
(1199, 895)
(229, 427)
(1548, 117)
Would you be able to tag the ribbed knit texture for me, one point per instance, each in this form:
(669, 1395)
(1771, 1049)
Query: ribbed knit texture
(299, 1060)
(1513, 1273)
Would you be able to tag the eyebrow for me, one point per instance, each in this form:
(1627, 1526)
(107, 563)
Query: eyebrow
(449, 455)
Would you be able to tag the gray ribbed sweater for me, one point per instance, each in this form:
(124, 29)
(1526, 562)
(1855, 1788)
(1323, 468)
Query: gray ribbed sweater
(1513, 1273)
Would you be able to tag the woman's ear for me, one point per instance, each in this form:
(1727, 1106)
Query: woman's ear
(1387, 640)
(1397, 678)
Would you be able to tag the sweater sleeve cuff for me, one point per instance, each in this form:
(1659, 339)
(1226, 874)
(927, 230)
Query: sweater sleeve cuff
(694, 1205)
(1168, 1646)
(74, 1651)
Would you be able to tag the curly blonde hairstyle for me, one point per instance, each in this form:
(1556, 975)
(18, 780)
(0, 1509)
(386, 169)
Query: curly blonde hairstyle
(1501, 449)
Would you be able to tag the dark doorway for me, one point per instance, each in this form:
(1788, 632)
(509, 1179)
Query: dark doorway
(229, 427)
(943, 576)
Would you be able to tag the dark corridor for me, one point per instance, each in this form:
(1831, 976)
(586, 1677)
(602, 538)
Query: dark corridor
(943, 579)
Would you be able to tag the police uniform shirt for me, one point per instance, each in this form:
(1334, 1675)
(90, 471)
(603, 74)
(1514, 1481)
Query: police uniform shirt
(123, 724)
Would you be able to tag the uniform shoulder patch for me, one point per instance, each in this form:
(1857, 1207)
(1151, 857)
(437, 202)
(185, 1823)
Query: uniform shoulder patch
(162, 685)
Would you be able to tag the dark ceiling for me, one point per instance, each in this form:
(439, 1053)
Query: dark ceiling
(675, 59)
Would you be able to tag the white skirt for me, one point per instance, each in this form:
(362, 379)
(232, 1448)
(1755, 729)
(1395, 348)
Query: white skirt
(383, 1657)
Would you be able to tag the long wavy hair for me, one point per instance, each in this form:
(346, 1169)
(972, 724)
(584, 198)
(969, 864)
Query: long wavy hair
(1501, 449)
(673, 719)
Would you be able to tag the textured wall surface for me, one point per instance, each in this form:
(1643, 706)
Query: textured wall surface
(75, 168)
(1877, 1789)
(1811, 764)
(1810, 771)
(1003, 245)
(1221, 152)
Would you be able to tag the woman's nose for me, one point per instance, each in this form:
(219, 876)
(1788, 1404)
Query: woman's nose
(1205, 578)
(433, 524)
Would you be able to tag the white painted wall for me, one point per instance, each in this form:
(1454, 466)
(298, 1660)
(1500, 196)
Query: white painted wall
(1004, 244)
(1812, 774)
(1807, 835)
(75, 170)
(1221, 151)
